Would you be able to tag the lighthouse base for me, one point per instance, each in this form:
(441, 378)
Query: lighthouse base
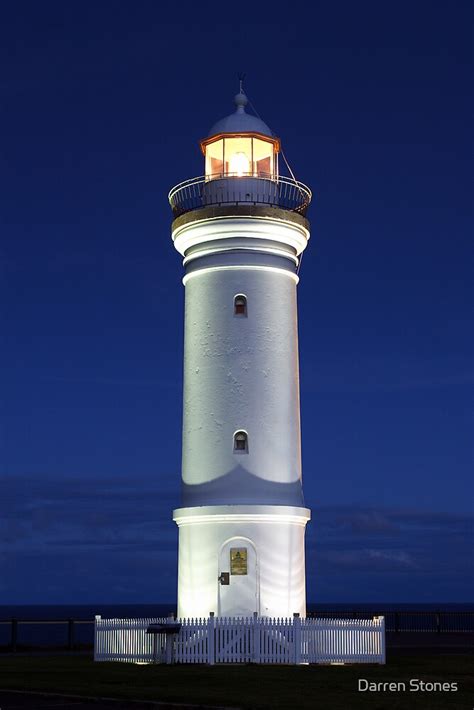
(235, 560)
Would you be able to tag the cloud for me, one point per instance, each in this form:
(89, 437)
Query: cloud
(87, 539)
(369, 559)
(367, 521)
(392, 551)
(380, 522)
(114, 539)
(35, 512)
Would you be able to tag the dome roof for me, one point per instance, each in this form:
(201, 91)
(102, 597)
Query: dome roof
(240, 121)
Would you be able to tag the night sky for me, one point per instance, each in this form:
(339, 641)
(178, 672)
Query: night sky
(102, 108)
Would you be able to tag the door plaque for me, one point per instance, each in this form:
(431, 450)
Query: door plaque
(238, 560)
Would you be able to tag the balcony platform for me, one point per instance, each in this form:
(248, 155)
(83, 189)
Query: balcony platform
(242, 191)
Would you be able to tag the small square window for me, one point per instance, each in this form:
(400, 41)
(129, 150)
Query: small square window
(240, 305)
(241, 442)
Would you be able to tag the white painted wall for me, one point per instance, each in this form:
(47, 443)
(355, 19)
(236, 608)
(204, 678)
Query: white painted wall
(241, 373)
(276, 533)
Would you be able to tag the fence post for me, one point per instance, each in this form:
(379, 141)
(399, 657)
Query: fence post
(169, 641)
(256, 639)
(211, 645)
(438, 622)
(382, 640)
(96, 636)
(70, 634)
(297, 637)
(397, 622)
(14, 634)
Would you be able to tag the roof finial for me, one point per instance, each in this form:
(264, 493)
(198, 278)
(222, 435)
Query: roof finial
(240, 99)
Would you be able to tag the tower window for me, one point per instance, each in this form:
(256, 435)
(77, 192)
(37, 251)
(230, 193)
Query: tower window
(241, 442)
(240, 305)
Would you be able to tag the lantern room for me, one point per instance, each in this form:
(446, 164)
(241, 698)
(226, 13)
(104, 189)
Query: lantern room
(241, 168)
(234, 155)
(241, 145)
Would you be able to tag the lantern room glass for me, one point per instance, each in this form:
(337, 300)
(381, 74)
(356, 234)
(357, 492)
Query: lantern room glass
(263, 158)
(215, 159)
(240, 156)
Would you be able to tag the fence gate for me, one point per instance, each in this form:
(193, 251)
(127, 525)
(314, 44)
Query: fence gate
(234, 641)
(194, 641)
(276, 640)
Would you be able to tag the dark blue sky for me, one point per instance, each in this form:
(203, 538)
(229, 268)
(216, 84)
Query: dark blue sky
(102, 108)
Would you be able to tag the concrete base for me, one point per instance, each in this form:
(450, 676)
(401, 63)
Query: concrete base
(272, 537)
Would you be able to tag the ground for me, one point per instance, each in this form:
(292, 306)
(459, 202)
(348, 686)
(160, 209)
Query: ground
(246, 686)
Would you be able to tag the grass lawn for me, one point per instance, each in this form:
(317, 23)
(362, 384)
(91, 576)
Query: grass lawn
(288, 687)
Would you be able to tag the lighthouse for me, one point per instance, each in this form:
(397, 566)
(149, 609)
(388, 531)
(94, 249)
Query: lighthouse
(241, 229)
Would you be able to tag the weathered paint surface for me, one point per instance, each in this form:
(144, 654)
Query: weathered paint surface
(241, 374)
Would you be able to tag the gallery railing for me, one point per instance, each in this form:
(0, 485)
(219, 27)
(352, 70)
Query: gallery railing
(236, 189)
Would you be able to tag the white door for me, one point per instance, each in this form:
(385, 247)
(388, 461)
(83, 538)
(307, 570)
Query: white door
(238, 558)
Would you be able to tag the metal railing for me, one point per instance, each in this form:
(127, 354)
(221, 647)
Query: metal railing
(61, 633)
(230, 189)
(402, 621)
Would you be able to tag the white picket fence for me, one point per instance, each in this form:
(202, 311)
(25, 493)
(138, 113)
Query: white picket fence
(124, 640)
(242, 640)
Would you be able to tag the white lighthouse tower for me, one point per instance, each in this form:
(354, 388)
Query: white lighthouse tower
(241, 229)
